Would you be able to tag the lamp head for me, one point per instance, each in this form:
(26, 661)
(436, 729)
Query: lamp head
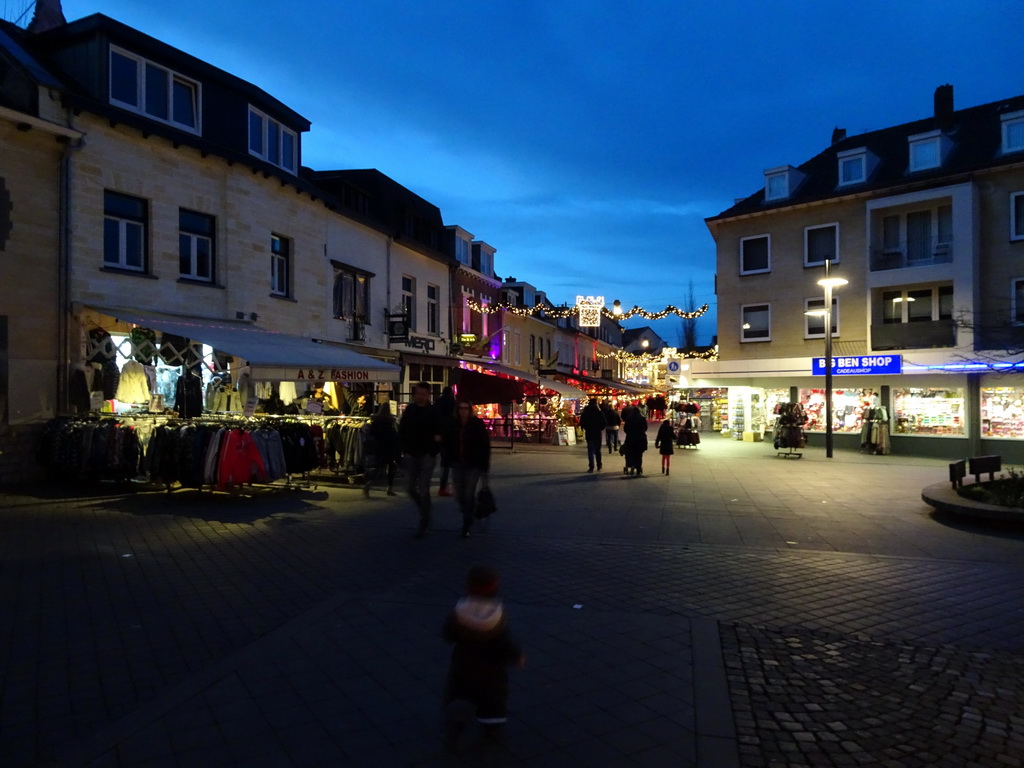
(832, 282)
(616, 307)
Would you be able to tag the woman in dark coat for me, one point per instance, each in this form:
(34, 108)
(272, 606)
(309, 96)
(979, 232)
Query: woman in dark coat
(381, 448)
(468, 445)
(633, 447)
(665, 443)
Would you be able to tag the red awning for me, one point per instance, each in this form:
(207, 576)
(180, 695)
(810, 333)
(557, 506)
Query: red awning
(482, 388)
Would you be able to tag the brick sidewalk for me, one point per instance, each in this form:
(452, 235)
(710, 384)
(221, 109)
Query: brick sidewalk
(301, 628)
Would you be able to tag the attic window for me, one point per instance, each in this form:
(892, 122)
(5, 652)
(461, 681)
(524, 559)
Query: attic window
(271, 141)
(926, 151)
(853, 166)
(141, 86)
(780, 183)
(1013, 131)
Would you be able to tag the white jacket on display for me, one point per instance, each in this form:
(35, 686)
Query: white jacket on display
(133, 387)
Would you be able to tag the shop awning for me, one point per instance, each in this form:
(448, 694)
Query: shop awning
(621, 386)
(487, 388)
(271, 356)
(504, 370)
(565, 390)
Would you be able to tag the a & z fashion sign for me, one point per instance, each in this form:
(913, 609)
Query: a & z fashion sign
(859, 365)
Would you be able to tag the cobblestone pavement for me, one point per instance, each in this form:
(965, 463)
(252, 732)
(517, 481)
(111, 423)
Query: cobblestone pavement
(740, 611)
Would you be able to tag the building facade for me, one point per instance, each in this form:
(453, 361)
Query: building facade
(926, 223)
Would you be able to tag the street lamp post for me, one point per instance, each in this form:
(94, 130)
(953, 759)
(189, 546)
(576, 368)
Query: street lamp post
(828, 283)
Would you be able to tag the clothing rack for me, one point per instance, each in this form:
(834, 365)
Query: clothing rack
(788, 432)
(874, 431)
(170, 450)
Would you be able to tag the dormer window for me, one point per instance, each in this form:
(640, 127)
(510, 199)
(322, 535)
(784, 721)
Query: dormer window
(780, 183)
(1013, 131)
(927, 150)
(271, 141)
(855, 165)
(139, 85)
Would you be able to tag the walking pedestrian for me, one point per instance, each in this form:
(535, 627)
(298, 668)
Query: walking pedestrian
(467, 444)
(611, 432)
(381, 449)
(665, 443)
(420, 431)
(593, 424)
(445, 405)
(635, 442)
(477, 681)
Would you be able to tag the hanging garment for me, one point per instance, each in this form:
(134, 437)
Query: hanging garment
(133, 386)
(240, 461)
(188, 396)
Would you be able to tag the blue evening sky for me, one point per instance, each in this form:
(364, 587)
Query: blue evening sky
(587, 140)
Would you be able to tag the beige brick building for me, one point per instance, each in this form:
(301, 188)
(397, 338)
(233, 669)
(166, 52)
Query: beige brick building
(926, 223)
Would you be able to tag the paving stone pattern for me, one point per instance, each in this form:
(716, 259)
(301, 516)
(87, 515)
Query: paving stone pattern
(806, 698)
(301, 628)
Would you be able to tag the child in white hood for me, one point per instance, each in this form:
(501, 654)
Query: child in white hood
(478, 675)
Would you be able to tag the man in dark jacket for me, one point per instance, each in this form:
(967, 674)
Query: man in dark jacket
(420, 432)
(593, 424)
(381, 448)
(467, 445)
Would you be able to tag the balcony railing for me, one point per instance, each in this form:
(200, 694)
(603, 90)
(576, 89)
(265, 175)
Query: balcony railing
(920, 335)
(912, 253)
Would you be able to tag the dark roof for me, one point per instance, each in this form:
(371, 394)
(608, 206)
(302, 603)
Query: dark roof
(391, 208)
(12, 43)
(629, 335)
(91, 26)
(976, 136)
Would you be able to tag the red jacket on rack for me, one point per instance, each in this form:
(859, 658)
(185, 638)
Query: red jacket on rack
(240, 461)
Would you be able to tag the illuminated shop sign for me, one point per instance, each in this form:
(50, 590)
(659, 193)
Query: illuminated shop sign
(859, 365)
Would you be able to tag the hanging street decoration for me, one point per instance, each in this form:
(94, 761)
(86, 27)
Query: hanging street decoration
(590, 310)
(559, 313)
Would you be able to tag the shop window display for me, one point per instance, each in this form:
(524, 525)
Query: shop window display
(1002, 412)
(927, 411)
(848, 407)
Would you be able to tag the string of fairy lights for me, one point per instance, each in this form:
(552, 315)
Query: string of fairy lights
(560, 313)
(647, 357)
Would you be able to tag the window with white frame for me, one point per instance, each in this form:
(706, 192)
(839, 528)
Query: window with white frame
(925, 151)
(1017, 216)
(409, 300)
(139, 85)
(821, 243)
(918, 305)
(196, 245)
(776, 186)
(462, 250)
(271, 141)
(756, 322)
(280, 265)
(1017, 295)
(755, 254)
(433, 310)
(351, 293)
(124, 231)
(1013, 131)
(853, 166)
(814, 325)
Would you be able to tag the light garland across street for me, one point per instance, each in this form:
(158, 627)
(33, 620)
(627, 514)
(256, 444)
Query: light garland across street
(559, 313)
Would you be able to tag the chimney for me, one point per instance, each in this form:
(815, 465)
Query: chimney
(47, 15)
(838, 134)
(944, 106)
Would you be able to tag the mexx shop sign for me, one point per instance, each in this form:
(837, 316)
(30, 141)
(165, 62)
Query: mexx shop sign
(859, 365)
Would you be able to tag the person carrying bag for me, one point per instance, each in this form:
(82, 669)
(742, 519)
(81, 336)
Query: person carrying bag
(468, 444)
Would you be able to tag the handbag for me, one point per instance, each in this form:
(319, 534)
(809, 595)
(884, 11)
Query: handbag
(485, 503)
